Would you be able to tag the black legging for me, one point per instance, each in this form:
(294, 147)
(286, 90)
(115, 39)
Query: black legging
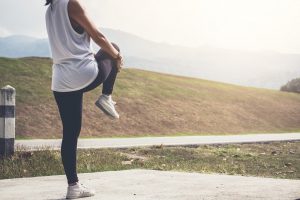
(70, 109)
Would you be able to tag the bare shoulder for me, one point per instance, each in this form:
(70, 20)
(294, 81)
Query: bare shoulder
(76, 7)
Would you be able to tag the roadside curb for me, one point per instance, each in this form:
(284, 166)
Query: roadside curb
(188, 141)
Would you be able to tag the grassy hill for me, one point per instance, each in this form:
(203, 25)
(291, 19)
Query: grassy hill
(150, 104)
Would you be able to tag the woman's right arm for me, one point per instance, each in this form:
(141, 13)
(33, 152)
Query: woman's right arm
(79, 15)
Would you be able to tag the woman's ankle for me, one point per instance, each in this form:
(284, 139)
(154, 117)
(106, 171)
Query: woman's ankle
(72, 184)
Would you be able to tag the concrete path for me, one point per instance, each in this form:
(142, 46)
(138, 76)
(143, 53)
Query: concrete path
(141, 184)
(167, 141)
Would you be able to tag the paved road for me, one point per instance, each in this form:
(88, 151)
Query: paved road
(141, 184)
(149, 141)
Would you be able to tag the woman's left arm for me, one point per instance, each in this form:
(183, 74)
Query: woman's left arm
(79, 15)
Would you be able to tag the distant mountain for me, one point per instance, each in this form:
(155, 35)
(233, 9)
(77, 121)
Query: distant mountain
(22, 46)
(248, 68)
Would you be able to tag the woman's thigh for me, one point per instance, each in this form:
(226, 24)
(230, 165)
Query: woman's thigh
(70, 110)
(105, 64)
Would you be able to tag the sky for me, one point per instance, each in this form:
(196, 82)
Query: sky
(232, 24)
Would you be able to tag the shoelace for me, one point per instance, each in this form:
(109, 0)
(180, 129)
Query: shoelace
(83, 186)
(109, 98)
(110, 101)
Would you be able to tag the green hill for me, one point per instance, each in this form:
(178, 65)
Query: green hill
(150, 104)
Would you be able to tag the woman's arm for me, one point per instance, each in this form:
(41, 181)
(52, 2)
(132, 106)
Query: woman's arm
(79, 15)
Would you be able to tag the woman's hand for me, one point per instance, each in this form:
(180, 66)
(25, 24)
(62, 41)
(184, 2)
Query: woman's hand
(120, 62)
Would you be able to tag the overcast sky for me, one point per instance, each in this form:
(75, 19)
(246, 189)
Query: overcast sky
(243, 24)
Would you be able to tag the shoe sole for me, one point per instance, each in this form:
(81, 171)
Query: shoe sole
(76, 197)
(105, 111)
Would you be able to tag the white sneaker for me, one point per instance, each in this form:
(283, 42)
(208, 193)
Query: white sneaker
(105, 103)
(79, 191)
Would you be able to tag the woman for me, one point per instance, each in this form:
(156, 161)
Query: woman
(77, 70)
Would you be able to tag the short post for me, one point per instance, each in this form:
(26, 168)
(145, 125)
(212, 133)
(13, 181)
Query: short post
(7, 120)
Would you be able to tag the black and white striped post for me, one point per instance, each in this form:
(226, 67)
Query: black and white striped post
(7, 120)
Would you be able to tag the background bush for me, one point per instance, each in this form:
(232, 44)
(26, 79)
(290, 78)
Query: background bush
(292, 86)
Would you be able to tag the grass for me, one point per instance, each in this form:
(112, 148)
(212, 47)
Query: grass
(276, 159)
(150, 104)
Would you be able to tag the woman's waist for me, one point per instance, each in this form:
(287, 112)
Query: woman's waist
(75, 64)
(71, 58)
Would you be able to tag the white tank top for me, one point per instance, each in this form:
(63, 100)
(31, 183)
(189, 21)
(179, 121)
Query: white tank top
(74, 65)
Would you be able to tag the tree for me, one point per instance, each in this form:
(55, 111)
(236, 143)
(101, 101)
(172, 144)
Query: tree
(292, 86)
